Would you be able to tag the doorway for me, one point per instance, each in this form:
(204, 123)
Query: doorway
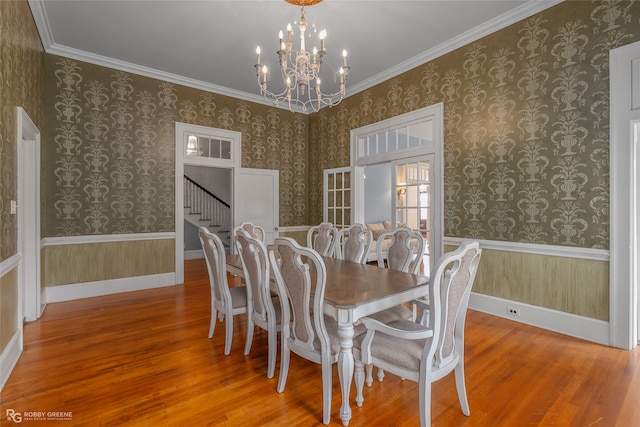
(28, 210)
(624, 322)
(254, 192)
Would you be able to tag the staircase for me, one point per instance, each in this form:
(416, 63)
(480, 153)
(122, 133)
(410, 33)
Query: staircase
(204, 209)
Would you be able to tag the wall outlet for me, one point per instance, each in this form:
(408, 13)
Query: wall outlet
(512, 311)
(14, 207)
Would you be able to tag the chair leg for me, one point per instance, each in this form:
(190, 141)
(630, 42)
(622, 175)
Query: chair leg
(212, 325)
(380, 374)
(273, 348)
(326, 392)
(228, 337)
(369, 375)
(461, 388)
(284, 367)
(359, 377)
(249, 341)
(424, 388)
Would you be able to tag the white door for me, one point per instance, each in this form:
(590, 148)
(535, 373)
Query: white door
(341, 204)
(256, 194)
(414, 199)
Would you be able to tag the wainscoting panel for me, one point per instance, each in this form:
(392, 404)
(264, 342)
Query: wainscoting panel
(99, 261)
(8, 306)
(565, 284)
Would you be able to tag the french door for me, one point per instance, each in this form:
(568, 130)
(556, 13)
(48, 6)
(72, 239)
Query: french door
(413, 183)
(341, 202)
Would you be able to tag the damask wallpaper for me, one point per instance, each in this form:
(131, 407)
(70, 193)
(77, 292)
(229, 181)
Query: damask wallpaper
(526, 126)
(109, 160)
(21, 84)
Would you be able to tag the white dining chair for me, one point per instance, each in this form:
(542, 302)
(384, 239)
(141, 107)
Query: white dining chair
(321, 238)
(254, 230)
(420, 353)
(353, 243)
(306, 331)
(225, 302)
(264, 310)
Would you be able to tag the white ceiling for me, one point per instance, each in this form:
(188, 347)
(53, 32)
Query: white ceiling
(211, 45)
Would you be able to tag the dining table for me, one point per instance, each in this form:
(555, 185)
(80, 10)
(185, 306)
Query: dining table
(353, 291)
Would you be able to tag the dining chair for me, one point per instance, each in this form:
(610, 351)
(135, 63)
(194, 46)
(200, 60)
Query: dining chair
(300, 275)
(420, 353)
(404, 253)
(253, 230)
(321, 237)
(353, 243)
(225, 302)
(264, 309)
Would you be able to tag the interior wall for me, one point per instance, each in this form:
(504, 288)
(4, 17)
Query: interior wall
(109, 160)
(526, 134)
(21, 84)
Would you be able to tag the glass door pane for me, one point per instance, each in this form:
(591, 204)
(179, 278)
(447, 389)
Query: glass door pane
(337, 196)
(412, 180)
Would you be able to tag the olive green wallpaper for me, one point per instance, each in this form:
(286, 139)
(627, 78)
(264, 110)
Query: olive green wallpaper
(110, 148)
(526, 126)
(21, 84)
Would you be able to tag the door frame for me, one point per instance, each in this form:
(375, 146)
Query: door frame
(624, 175)
(236, 155)
(31, 301)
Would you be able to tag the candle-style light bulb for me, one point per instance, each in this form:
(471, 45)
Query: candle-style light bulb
(322, 36)
(289, 31)
(280, 35)
(258, 55)
(344, 57)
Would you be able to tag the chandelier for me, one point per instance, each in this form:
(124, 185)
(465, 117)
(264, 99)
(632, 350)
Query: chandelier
(301, 70)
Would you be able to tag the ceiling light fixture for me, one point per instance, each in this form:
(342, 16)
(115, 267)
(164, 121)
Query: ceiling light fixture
(301, 70)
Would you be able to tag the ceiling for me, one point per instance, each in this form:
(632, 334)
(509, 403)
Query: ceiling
(211, 45)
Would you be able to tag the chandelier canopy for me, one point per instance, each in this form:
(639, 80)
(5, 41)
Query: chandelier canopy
(301, 69)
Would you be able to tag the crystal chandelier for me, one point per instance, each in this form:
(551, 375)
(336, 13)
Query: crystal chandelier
(301, 70)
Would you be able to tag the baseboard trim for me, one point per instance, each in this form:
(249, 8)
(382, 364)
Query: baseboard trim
(197, 254)
(10, 356)
(557, 321)
(108, 287)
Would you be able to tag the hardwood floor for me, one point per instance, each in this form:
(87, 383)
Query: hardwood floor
(143, 359)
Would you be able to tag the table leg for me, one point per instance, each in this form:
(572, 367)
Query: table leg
(345, 364)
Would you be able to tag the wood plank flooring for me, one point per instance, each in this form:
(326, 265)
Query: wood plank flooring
(143, 359)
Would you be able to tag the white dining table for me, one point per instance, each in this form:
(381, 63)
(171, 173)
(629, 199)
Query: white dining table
(354, 291)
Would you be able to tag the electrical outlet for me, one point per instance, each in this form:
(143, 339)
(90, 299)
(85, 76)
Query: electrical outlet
(512, 311)
(14, 207)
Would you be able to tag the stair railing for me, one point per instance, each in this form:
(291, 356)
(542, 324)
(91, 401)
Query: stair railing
(210, 207)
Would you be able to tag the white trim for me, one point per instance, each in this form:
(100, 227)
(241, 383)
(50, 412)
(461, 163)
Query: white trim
(105, 238)
(623, 164)
(107, 287)
(536, 249)
(526, 10)
(42, 23)
(197, 254)
(294, 228)
(9, 264)
(28, 143)
(565, 323)
(10, 356)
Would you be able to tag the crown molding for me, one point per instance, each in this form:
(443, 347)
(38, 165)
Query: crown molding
(526, 10)
(518, 14)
